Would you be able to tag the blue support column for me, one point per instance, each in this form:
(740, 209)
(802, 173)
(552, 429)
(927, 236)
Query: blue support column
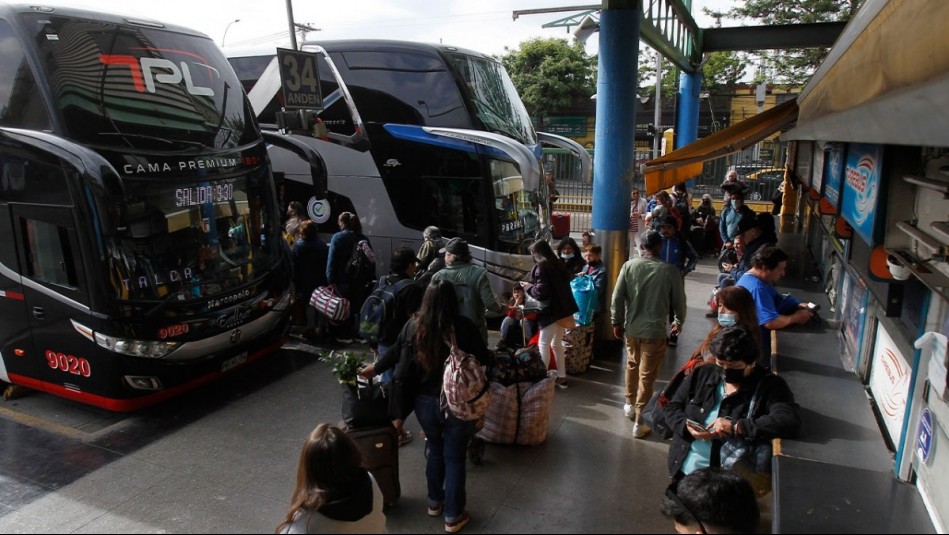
(687, 127)
(614, 163)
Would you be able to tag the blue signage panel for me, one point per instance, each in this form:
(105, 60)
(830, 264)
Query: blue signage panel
(861, 188)
(834, 170)
(924, 435)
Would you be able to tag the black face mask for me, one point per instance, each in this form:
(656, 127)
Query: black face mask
(733, 376)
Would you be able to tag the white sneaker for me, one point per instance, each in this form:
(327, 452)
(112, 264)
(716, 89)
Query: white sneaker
(641, 430)
(628, 411)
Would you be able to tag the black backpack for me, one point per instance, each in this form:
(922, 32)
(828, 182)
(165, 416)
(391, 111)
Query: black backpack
(379, 308)
(361, 266)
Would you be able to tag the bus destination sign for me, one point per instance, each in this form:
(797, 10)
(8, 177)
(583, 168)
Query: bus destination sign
(300, 79)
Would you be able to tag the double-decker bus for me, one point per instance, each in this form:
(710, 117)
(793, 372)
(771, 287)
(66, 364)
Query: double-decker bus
(414, 135)
(140, 244)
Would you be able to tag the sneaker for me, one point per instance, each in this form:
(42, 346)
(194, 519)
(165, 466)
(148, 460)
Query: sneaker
(629, 412)
(457, 525)
(344, 340)
(673, 340)
(436, 511)
(404, 437)
(561, 383)
(640, 430)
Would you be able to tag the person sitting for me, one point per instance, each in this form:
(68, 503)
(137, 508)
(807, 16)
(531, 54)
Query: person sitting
(734, 398)
(775, 311)
(516, 326)
(712, 500)
(732, 212)
(333, 493)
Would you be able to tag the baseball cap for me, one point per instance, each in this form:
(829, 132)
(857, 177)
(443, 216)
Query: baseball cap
(455, 246)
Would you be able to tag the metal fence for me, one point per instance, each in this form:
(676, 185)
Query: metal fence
(576, 196)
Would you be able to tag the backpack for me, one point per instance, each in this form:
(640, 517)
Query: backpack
(379, 308)
(465, 392)
(361, 266)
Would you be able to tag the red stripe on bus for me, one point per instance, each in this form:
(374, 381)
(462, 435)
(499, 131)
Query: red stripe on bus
(13, 295)
(132, 404)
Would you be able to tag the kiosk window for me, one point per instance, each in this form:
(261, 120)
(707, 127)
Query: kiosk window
(49, 254)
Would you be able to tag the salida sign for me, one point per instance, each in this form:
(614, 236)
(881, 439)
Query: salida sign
(299, 79)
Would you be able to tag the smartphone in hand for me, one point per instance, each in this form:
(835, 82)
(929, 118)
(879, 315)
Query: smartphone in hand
(696, 426)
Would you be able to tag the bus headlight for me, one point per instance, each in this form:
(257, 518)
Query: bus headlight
(136, 348)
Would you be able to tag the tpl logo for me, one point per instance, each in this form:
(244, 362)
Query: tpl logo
(146, 72)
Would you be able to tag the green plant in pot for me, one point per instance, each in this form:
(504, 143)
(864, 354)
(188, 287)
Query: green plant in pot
(345, 365)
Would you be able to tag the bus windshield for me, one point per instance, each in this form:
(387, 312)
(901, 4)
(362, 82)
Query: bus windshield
(185, 241)
(137, 87)
(494, 98)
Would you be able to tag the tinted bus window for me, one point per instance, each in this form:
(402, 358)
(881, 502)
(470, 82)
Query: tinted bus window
(50, 254)
(21, 105)
(140, 88)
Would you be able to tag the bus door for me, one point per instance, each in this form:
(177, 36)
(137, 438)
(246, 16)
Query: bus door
(15, 339)
(56, 300)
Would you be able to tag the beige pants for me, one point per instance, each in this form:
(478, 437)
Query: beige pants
(643, 359)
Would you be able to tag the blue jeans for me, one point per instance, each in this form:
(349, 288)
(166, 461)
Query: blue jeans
(447, 445)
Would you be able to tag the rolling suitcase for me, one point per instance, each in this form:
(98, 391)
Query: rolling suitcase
(561, 224)
(380, 451)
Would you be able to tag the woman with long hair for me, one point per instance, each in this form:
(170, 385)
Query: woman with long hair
(550, 284)
(736, 306)
(423, 346)
(334, 493)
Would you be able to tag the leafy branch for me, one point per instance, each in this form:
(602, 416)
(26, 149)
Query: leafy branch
(345, 365)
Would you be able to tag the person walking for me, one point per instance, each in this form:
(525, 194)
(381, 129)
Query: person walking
(422, 348)
(637, 221)
(646, 290)
(432, 241)
(309, 255)
(550, 284)
(342, 247)
(471, 284)
(333, 493)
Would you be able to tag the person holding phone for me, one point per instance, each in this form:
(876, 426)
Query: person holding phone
(712, 404)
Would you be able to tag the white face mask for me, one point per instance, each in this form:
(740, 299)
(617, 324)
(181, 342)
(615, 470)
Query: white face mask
(738, 203)
(566, 256)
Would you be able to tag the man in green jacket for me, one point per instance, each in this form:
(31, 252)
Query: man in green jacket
(471, 284)
(646, 289)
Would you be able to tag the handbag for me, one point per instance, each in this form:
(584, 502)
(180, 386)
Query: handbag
(365, 404)
(328, 301)
(533, 305)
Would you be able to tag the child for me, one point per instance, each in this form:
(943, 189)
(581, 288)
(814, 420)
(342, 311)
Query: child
(511, 325)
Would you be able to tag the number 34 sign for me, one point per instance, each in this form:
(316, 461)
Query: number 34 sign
(300, 79)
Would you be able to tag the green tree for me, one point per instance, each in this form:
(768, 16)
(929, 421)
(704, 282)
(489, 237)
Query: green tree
(551, 74)
(647, 74)
(722, 72)
(790, 67)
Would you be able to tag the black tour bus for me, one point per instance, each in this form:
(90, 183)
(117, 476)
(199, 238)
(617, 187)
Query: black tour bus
(140, 244)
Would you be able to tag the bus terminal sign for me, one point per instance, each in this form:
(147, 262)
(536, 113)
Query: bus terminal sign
(300, 79)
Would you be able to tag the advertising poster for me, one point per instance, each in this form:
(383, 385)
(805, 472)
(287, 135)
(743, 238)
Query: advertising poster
(861, 188)
(833, 172)
(889, 382)
(802, 163)
(817, 177)
(853, 306)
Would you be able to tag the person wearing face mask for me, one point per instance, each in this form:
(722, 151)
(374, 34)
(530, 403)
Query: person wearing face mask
(569, 252)
(717, 397)
(736, 306)
(732, 213)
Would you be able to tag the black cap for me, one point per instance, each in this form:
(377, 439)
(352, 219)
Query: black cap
(402, 258)
(651, 239)
(456, 246)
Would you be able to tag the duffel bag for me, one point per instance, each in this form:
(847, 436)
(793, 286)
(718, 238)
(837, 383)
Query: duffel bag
(329, 302)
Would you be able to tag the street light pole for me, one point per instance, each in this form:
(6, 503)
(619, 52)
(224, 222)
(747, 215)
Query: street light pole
(293, 29)
(226, 29)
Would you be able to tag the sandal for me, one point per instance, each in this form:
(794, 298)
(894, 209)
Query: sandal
(404, 437)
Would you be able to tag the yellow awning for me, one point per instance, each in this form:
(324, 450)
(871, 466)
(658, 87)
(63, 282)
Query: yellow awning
(686, 163)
